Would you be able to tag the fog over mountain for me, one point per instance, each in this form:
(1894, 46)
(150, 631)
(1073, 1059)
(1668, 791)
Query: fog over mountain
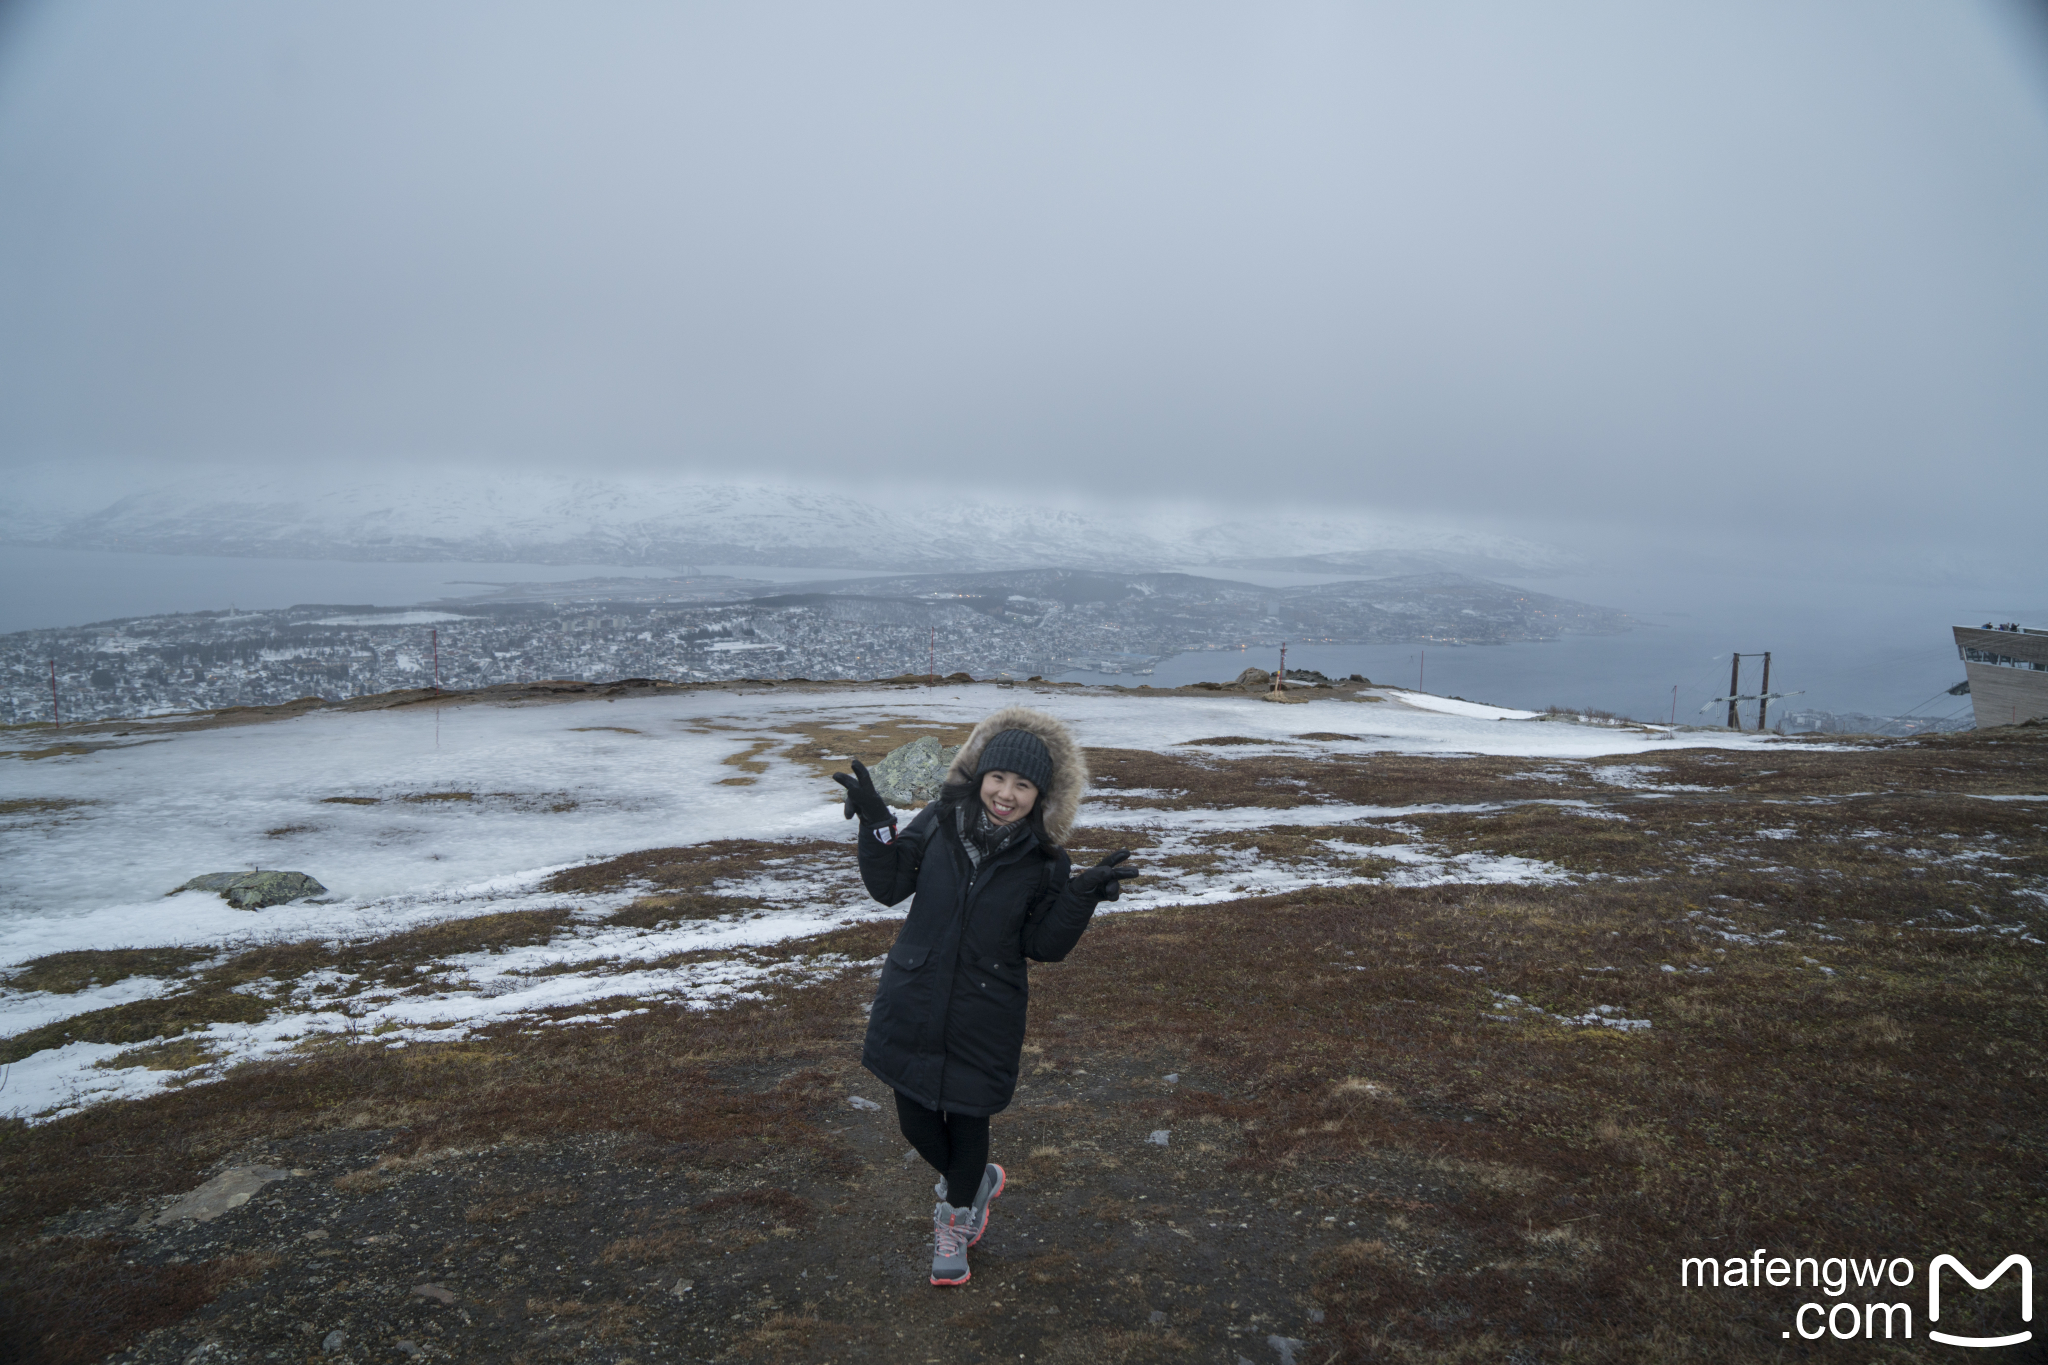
(1735, 285)
(637, 521)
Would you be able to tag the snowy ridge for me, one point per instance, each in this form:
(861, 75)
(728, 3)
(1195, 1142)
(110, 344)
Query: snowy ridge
(677, 521)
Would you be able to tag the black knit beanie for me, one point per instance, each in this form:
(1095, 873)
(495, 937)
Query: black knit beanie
(1019, 752)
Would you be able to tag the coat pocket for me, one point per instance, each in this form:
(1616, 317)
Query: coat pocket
(1009, 974)
(904, 995)
(996, 993)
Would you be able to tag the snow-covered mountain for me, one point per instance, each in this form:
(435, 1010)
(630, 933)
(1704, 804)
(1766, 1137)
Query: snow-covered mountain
(636, 521)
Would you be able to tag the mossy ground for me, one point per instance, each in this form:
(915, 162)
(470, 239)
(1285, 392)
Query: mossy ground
(1371, 1150)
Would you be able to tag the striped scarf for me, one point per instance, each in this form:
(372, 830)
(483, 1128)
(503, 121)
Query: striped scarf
(981, 836)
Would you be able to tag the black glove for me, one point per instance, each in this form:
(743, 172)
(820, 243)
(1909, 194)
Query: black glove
(1105, 881)
(863, 800)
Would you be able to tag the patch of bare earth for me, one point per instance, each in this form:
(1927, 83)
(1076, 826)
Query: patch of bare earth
(1402, 1124)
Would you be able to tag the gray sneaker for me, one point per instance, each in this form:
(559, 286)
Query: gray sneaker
(993, 1178)
(992, 1181)
(949, 1244)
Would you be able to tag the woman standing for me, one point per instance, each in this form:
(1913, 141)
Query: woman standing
(993, 888)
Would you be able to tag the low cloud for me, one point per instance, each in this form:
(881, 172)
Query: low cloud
(1730, 284)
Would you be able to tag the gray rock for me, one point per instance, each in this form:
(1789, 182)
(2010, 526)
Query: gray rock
(334, 1341)
(434, 1292)
(256, 889)
(910, 776)
(1286, 1346)
(230, 1189)
(1254, 678)
(414, 1349)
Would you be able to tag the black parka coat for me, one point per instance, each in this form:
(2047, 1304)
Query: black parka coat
(947, 1025)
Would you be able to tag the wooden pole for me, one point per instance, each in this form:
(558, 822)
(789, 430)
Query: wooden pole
(1734, 686)
(1280, 678)
(1674, 703)
(1421, 670)
(1763, 694)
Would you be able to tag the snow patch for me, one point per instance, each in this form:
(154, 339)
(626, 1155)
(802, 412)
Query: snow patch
(413, 817)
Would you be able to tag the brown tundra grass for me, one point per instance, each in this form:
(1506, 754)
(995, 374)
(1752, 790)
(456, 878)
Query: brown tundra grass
(1846, 1057)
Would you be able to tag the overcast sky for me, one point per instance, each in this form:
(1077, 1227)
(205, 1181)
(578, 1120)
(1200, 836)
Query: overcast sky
(1710, 270)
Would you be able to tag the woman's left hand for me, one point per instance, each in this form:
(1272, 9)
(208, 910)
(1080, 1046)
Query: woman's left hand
(1105, 881)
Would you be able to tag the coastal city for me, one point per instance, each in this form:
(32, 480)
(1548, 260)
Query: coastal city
(990, 625)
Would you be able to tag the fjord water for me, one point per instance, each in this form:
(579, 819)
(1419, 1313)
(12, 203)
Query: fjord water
(49, 587)
(1882, 649)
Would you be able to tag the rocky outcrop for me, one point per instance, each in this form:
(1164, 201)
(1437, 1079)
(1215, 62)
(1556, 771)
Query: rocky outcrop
(230, 1189)
(1259, 680)
(910, 776)
(255, 889)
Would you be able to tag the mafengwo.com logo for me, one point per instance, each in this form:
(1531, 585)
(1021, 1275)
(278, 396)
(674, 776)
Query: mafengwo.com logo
(1856, 1315)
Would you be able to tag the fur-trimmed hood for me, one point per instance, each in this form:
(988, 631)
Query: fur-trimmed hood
(1060, 802)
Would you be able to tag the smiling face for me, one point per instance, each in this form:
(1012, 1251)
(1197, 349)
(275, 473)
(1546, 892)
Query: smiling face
(1006, 796)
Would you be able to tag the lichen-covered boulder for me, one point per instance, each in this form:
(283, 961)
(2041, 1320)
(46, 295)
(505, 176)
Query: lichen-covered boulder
(256, 889)
(1254, 680)
(911, 775)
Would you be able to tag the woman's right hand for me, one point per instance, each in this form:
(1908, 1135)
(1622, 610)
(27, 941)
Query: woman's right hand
(862, 799)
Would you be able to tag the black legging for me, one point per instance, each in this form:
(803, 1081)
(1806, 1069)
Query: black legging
(956, 1145)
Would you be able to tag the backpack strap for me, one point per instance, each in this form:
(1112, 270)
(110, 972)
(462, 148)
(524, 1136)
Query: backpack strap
(1048, 890)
